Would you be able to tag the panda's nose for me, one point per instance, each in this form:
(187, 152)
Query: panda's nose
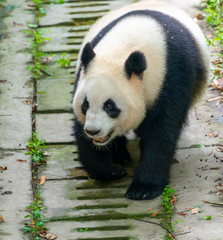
(92, 132)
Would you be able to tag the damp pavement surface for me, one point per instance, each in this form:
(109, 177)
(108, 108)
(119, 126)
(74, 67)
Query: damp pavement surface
(79, 208)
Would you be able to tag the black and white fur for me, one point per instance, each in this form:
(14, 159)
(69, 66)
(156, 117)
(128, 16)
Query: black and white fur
(140, 67)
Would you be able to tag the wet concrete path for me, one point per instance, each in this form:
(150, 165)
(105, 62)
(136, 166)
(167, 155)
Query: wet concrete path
(79, 208)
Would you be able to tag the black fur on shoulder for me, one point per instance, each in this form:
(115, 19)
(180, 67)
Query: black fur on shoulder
(136, 63)
(87, 55)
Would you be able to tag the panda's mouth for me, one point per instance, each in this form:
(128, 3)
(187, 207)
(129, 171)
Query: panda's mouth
(104, 139)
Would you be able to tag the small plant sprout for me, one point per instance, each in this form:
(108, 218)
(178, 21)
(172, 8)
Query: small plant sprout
(207, 218)
(36, 223)
(214, 19)
(35, 149)
(175, 223)
(64, 61)
(82, 229)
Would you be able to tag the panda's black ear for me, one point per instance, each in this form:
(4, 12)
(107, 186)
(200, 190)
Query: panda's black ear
(136, 63)
(87, 55)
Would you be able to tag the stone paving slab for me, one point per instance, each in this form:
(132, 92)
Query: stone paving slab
(82, 203)
(60, 163)
(66, 15)
(60, 49)
(97, 230)
(64, 173)
(91, 3)
(87, 8)
(63, 35)
(15, 121)
(16, 87)
(54, 95)
(55, 128)
(15, 193)
(58, 72)
(65, 201)
(15, 126)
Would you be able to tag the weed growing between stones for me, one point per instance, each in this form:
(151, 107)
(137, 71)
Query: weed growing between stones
(37, 4)
(214, 19)
(35, 149)
(37, 67)
(167, 202)
(35, 224)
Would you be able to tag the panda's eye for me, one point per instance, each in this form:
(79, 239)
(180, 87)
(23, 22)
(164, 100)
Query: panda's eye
(108, 106)
(85, 106)
(111, 109)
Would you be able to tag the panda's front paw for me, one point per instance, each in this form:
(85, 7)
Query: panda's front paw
(117, 172)
(144, 191)
(107, 173)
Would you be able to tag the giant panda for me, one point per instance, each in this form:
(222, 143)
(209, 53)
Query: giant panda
(140, 68)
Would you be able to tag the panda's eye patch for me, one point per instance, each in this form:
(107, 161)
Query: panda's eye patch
(85, 106)
(111, 109)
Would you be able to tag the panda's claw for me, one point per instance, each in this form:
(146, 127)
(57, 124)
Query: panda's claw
(144, 191)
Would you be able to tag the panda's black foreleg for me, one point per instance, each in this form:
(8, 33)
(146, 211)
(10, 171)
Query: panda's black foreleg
(98, 162)
(119, 151)
(159, 133)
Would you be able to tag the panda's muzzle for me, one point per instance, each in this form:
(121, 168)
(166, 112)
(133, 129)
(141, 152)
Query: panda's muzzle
(103, 139)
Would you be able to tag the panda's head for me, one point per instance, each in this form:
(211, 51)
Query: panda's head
(109, 99)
